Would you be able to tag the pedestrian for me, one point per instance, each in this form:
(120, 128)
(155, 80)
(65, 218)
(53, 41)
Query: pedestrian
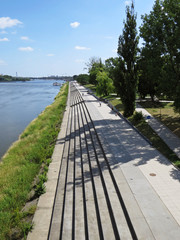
(100, 104)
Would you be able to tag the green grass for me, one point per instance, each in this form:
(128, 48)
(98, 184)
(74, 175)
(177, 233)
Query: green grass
(23, 162)
(91, 87)
(118, 104)
(165, 113)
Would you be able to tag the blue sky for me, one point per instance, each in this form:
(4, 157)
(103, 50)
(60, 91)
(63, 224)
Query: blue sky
(58, 37)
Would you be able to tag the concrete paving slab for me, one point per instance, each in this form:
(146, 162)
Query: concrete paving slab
(41, 227)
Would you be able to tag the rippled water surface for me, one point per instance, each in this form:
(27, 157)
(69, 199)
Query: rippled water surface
(20, 103)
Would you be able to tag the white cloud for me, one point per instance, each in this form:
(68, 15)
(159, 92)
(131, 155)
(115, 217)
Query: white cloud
(81, 48)
(108, 37)
(50, 54)
(74, 24)
(114, 50)
(3, 32)
(26, 49)
(128, 3)
(24, 38)
(6, 22)
(2, 62)
(4, 40)
(79, 60)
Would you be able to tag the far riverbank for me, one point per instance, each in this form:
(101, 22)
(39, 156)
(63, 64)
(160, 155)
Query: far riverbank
(7, 78)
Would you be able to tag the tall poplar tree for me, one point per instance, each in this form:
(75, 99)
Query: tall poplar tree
(126, 80)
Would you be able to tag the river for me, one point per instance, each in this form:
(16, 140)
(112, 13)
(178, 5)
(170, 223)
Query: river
(20, 103)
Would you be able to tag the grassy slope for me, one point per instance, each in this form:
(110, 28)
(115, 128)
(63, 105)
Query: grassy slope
(23, 161)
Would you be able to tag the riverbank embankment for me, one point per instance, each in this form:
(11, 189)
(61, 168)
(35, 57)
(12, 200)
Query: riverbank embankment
(21, 164)
(105, 180)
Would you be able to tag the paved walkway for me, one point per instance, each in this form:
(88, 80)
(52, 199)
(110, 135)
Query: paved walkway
(106, 181)
(169, 138)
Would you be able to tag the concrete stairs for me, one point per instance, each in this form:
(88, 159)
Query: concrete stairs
(88, 203)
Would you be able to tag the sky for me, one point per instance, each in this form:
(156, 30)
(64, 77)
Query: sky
(59, 37)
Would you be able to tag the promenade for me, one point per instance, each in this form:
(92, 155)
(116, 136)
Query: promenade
(106, 181)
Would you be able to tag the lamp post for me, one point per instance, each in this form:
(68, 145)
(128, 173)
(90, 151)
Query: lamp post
(160, 106)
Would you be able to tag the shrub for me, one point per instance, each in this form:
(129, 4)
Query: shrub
(138, 116)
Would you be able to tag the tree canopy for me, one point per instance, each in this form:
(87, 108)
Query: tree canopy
(94, 66)
(104, 84)
(161, 51)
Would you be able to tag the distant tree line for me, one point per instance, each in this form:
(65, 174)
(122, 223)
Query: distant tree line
(153, 69)
(66, 78)
(7, 78)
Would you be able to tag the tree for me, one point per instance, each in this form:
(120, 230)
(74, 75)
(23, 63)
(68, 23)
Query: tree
(82, 79)
(110, 65)
(160, 31)
(149, 72)
(171, 33)
(94, 66)
(151, 61)
(104, 84)
(127, 51)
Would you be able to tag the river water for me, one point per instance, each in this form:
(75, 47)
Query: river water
(20, 103)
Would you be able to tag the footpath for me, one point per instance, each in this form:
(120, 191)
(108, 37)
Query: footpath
(105, 180)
